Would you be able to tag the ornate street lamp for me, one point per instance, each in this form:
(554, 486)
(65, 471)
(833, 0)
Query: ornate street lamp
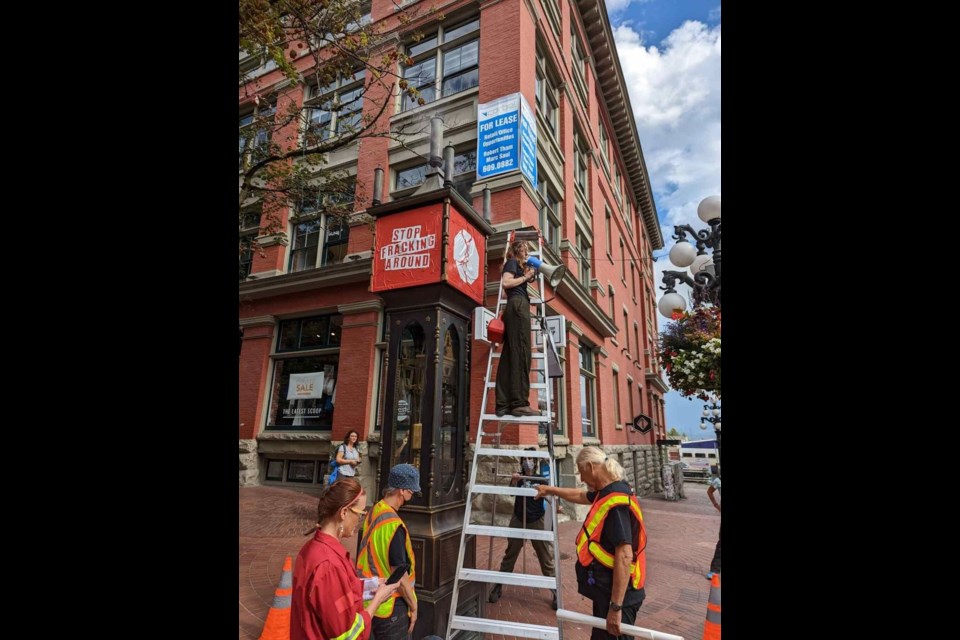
(704, 276)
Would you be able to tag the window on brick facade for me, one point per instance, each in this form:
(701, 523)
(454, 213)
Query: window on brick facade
(305, 368)
(313, 224)
(454, 52)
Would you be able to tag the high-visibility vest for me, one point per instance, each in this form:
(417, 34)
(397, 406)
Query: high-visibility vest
(379, 528)
(588, 541)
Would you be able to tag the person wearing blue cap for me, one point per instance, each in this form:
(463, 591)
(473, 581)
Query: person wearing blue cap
(384, 547)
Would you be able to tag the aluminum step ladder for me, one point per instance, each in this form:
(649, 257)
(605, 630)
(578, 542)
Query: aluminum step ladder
(540, 367)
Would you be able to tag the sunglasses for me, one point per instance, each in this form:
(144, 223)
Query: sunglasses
(360, 513)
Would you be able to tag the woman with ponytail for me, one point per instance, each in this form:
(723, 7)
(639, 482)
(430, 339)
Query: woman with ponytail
(611, 562)
(327, 602)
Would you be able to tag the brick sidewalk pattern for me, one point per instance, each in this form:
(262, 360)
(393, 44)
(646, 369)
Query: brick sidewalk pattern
(681, 537)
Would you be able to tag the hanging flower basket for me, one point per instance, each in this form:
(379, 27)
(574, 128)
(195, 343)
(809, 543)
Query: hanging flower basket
(690, 352)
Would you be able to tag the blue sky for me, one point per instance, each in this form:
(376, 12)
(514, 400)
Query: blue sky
(670, 54)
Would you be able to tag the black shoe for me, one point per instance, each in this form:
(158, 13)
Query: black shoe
(501, 412)
(554, 603)
(494, 594)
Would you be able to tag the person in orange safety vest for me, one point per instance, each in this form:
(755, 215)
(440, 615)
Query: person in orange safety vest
(611, 563)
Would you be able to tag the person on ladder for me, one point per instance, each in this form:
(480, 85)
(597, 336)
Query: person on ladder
(513, 373)
(611, 561)
(535, 510)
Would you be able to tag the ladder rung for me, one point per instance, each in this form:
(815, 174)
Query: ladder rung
(504, 490)
(492, 417)
(505, 628)
(509, 532)
(517, 579)
(536, 354)
(514, 453)
(533, 385)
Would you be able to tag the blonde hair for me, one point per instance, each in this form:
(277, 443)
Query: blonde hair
(597, 455)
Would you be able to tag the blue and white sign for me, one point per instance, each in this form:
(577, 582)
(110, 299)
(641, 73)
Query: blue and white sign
(528, 142)
(506, 138)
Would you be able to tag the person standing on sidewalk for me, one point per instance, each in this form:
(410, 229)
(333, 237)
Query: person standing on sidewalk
(348, 456)
(533, 510)
(611, 560)
(513, 372)
(384, 546)
(327, 595)
(715, 563)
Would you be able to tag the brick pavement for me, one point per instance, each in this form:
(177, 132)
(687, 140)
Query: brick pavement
(681, 535)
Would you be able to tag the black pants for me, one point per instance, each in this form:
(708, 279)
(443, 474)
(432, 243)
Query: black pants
(628, 615)
(513, 372)
(715, 563)
(395, 627)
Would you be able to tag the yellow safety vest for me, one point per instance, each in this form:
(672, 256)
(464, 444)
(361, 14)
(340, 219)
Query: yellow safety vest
(379, 528)
(588, 541)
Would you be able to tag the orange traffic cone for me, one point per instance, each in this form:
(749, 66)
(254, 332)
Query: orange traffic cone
(711, 628)
(277, 626)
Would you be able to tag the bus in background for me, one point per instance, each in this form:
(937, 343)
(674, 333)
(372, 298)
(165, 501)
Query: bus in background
(699, 458)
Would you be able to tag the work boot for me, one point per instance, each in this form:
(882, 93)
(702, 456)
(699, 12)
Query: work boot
(554, 603)
(524, 411)
(494, 594)
(502, 411)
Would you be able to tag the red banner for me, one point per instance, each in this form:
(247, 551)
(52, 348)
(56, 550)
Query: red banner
(407, 251)
(466, 257)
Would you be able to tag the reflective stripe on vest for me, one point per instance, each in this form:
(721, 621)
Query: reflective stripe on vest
(353, 632)
(374, 557)
(588, 541)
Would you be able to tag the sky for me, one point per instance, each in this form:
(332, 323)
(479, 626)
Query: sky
(670, 54)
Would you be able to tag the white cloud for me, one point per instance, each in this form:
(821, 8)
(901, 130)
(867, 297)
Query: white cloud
(616, 6)
(675, 94)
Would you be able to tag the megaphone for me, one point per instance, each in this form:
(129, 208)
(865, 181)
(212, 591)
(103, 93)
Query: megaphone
(554, 273)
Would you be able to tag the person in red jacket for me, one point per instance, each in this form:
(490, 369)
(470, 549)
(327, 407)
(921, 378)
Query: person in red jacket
(327, 600)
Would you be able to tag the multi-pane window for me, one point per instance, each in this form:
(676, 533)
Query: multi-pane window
(255, 133)
(633, 280)
(604, 145)
(607, 222)
(580, 166)
(583, 248)
(305, 368)
(616, 400)
(249, 228)
(445, 62)
(549, 212)
(617, 184)
(547, 105)
(579, 62)
(626, 332)
(613, 304)
(337, 108)
(632, 413)
(588, 415)
(314, 225)
(464, 174)
(552, 8)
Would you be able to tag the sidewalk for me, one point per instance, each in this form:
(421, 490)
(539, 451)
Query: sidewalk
(681, 536)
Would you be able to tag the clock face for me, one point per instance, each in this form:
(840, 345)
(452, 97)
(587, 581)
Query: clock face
(466, 257)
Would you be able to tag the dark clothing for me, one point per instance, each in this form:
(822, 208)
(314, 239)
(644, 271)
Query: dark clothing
(543, 549)
(513, 372)
(715, 563)
(618, 528)
(628, 615)
(512, 267)
(395, 627)
(398, 551)
(535, 508)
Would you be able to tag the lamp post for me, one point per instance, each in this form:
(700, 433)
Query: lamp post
(711, 414)
(704, 276)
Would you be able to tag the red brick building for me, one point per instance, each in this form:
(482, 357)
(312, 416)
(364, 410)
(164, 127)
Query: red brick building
(305, 304)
